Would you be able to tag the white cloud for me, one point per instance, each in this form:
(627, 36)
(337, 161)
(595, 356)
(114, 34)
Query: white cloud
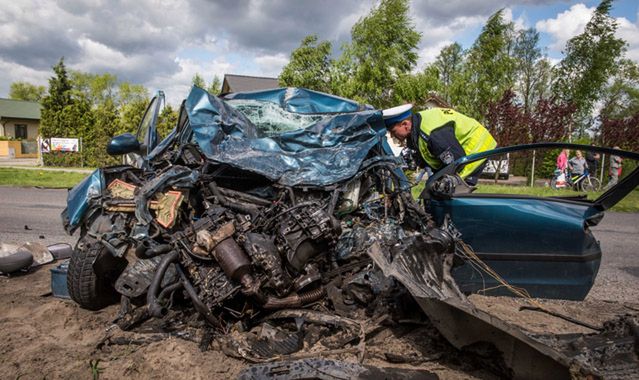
(566, 25)
(21, 73)
(271, 65)
(630, 33)
(573, 22)
(520, 23)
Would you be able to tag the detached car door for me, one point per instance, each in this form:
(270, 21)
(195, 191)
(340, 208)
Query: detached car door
(541, 244)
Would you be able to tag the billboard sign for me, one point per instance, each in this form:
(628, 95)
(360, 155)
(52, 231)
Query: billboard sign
(64, 145)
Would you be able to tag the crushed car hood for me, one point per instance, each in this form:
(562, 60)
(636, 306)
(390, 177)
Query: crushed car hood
(328, 151)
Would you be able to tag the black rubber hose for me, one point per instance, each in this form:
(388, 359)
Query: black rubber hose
(147, 249)
(199, 305)
(253, 211)
(155, 309)
(169, 289)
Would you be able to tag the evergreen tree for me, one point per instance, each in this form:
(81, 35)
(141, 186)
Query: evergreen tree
(198, 81)
(52, 120)
(215, 87)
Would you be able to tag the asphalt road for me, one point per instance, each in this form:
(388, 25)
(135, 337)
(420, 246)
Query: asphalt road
(30, 214)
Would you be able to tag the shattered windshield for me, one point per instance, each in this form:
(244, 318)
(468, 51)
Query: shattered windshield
(270, 119)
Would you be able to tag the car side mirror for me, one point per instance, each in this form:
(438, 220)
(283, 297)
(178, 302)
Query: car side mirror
(123, 144)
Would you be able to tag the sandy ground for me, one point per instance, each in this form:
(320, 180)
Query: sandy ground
(47, 337)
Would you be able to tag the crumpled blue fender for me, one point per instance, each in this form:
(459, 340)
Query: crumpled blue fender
(79, 198)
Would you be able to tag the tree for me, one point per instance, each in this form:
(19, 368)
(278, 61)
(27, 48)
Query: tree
(620, 98)
(591, 59)
(97, 89)
(449, 64)
(167, 121)
(26, 91)
(310, 65)
(383, 48)
(416, 88)
(622, 132)
(507, 120)
(215, 87)
(541, 88)
(489, 70)
(198, 81)
(527, 54)
(51, 119)
(134, 99)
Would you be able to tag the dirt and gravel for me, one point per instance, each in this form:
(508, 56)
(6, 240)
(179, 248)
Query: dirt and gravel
(47, 337)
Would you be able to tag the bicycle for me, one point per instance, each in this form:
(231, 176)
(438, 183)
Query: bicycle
(578, 182)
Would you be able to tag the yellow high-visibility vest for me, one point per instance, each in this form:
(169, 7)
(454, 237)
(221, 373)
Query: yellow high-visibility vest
(470, 134)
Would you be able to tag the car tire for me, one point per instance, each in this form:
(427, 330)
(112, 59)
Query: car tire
(15, 262)
(85, 287)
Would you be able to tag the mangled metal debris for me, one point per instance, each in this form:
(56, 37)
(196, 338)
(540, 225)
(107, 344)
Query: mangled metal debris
(326, 369)
(279, 245)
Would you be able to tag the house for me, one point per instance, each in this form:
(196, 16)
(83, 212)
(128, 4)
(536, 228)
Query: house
(435, 101)
(19, 122)
(244, 83)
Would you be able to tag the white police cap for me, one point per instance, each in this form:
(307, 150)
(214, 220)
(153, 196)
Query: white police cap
(396, 114)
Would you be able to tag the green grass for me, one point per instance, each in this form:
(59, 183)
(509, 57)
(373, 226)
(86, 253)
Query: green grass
(629, 204)
(40, 178)
(62, 180)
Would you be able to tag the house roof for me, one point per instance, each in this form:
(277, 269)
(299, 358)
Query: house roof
(19, 109)
(242, 83)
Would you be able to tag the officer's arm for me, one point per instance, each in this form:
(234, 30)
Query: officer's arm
(443, 144)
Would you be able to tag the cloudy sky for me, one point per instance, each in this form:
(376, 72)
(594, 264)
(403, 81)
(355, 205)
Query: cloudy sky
(163, 43)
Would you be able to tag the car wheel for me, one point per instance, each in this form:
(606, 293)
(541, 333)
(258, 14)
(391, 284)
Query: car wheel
(85, 287)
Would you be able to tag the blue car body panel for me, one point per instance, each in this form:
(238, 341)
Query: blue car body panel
(79, 198)
(329, 151)
(543, 245)
(303, 101)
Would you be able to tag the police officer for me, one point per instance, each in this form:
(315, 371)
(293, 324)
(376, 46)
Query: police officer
(441, 136)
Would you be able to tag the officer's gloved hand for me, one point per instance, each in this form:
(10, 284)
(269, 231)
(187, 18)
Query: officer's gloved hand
(446, 185)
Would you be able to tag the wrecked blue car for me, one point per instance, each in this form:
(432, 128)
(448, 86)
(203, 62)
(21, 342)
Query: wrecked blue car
(271, 199)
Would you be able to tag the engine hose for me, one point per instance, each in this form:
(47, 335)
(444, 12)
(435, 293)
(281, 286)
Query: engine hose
(294, 300)
(226, 202)
(199, 305)
(154, 307)
(147, 249)
(169, 289)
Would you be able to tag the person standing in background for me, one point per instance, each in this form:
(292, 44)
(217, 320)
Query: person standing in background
(578, 164)
(592, 159)
(615, 170)
(562, 160)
